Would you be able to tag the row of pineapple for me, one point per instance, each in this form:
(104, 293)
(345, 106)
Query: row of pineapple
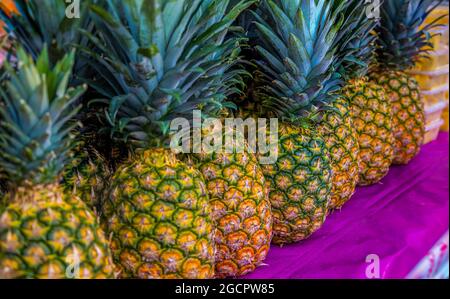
(91, 188)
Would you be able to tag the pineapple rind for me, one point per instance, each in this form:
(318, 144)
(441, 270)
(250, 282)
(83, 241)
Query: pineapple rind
(408, 122)
(240, 209)
(372, 119)
(300, 184)
(340, 136)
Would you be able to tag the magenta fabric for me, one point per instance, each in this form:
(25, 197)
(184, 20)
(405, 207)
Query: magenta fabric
(399, 220)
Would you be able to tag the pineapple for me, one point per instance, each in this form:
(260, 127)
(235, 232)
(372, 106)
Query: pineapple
(162, 59)
(408, 113)
(372, 120)
(401, 43)
(88, 175)
(296, 82)
(34, 28)
(44, 232)
(300, 184)
(159, 217)
(237, 188)
(95, 157)
(340, 136)
(241, 209)
(370, 112)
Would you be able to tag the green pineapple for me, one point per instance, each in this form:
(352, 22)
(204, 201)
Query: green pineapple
(34, 27)
(88, 175)
(44, 232)
(295, 81)
(401, 43)
(162, 59)
(95, 157)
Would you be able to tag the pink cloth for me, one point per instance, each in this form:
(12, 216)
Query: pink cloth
(398, 220)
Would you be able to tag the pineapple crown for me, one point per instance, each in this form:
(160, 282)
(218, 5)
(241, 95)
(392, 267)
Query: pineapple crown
(402, 40)
(356, 38)
(35, 119)
(297, 43)
(162, 59)
(39, 23)
(246, 19)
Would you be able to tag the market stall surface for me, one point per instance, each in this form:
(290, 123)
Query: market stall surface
(385, 230)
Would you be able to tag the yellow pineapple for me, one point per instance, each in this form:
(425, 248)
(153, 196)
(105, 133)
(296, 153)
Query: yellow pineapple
(240, 209)
(408, 114)
(369, 111)
(159, 216)
(46, 234)
(300, 184)
(372, 120)
(340, 136)
(402, 41)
